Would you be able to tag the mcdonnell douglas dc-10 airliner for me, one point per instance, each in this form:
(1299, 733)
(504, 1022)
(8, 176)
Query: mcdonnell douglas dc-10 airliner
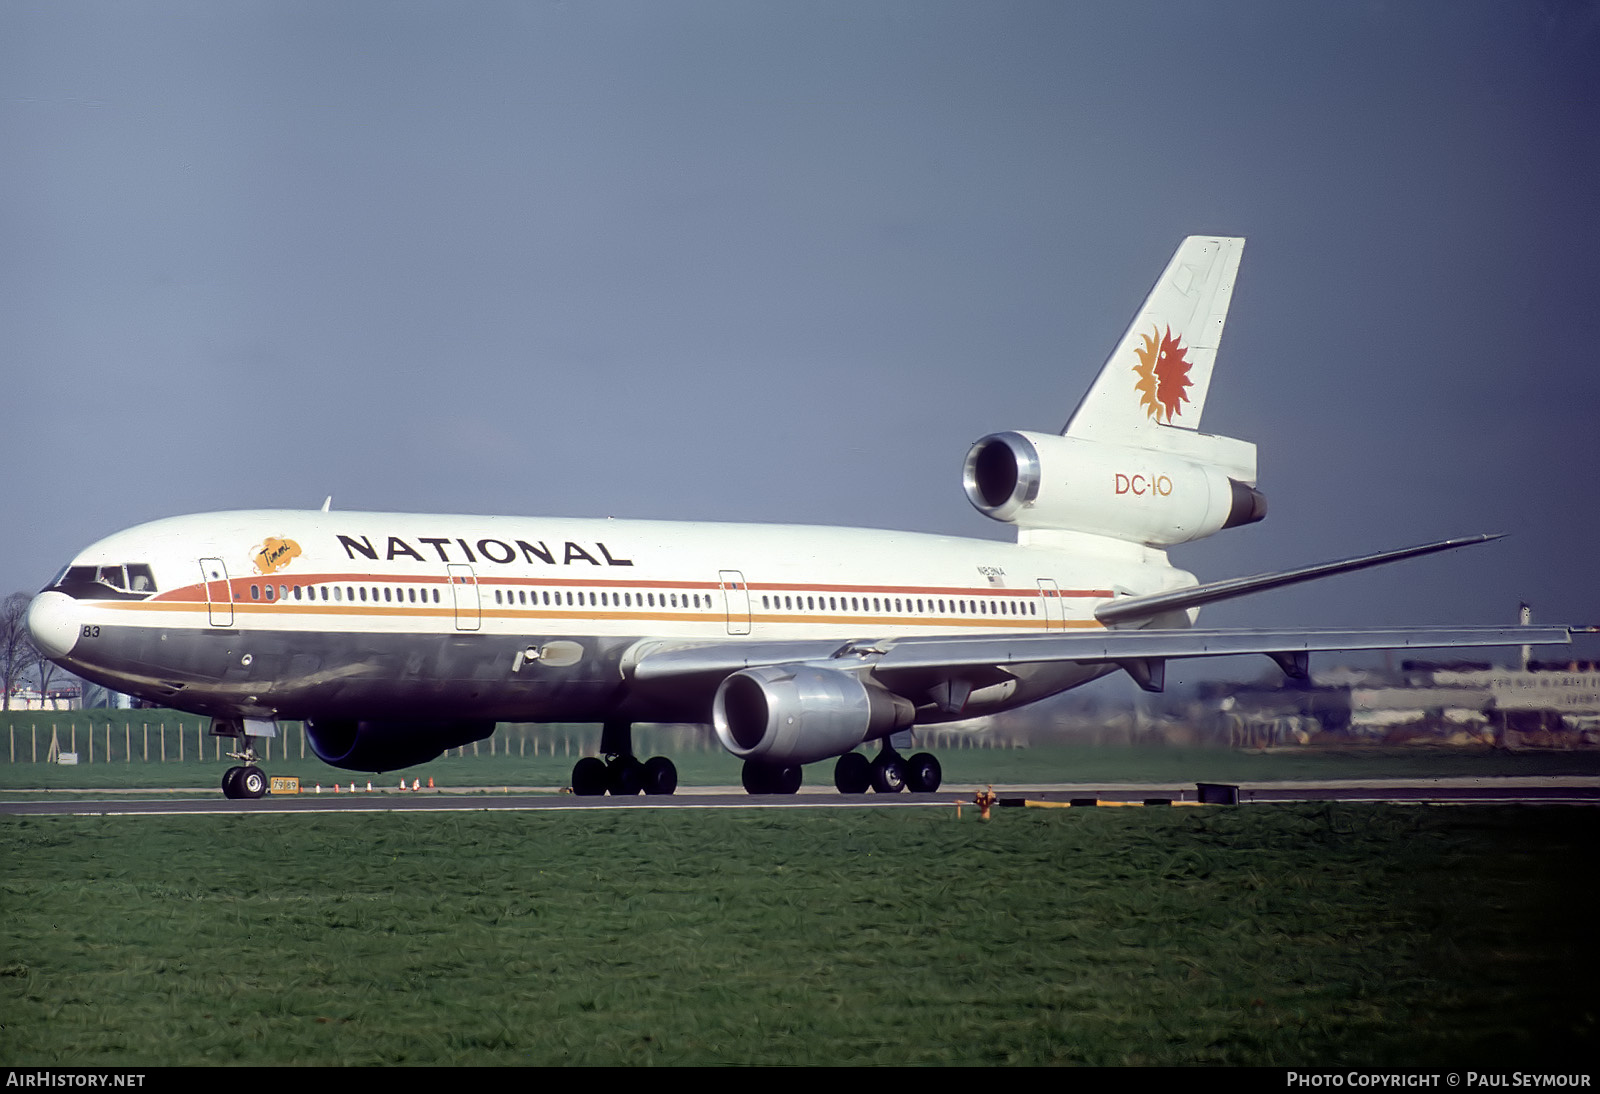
(395, 637)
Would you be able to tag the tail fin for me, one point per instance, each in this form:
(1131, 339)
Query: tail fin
(1131, 463)
(1156, 380)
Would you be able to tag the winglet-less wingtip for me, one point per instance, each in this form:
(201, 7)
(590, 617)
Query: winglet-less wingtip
(1135, 608)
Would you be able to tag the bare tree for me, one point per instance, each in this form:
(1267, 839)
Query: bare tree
(43, 670)
(17, 652)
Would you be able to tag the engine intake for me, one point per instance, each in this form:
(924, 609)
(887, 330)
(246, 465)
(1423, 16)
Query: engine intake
(796, 714)
(1036, 480)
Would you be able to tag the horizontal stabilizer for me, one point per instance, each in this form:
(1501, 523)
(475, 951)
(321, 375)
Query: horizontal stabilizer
(1134, 608)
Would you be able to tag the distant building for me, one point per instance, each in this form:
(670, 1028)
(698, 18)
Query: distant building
(1546, 705)
(66, 697)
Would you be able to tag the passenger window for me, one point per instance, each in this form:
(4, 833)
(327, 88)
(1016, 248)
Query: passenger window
(255, 592)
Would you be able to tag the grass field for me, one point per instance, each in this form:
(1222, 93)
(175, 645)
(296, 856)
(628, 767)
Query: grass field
(1291, 935)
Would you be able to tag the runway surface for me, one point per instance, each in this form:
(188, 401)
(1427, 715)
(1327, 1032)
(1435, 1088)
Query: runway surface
(1453, 791)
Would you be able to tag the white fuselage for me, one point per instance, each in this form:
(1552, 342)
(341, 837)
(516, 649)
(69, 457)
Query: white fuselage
(310, 612)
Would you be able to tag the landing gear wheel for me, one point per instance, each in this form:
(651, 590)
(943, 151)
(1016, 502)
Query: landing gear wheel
(767, 779)
(852, 774)
(590, 777)
(251, 783)
(889, 774)
(923, 773)
(627, 776)
(660, 776)
(230, 782)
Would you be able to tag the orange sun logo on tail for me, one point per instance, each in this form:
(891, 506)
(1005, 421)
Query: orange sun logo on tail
(1163, 373)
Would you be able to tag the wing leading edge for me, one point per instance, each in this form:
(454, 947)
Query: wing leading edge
(888, 656)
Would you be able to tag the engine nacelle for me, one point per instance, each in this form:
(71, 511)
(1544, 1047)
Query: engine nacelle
(388, 746)
(1039, 480)
(795, 714)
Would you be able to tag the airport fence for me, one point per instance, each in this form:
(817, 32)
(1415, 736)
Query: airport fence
(117, 736)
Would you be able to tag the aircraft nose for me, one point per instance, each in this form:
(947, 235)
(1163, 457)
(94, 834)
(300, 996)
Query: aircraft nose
(53, 622)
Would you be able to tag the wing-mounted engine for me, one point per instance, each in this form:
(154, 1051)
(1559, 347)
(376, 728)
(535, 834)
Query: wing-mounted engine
(798, 713)
(388, 746)
(1043, 481)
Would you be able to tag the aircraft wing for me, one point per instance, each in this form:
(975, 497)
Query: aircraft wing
(1133, 608)
(1136, 650)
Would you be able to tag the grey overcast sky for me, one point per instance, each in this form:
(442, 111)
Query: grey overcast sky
(785, 262)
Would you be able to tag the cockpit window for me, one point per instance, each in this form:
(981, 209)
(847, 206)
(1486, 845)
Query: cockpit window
(129, 581)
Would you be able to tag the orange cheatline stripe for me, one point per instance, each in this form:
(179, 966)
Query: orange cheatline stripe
(287, 608)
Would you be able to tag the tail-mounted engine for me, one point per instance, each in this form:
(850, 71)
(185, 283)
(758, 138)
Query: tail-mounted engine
(1038, 480)
(795, 714)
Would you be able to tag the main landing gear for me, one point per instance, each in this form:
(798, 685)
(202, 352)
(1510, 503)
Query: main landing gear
(853, 773)
(621, 773)
(890, 773)
(769, 778)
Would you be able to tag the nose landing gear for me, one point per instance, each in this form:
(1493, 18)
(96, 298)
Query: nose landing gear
(245, 780)
(248, 781)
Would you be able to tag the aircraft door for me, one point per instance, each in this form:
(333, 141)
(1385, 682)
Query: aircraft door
(219, 596)
(464, 591)
(1050, 605)
(736, 599)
